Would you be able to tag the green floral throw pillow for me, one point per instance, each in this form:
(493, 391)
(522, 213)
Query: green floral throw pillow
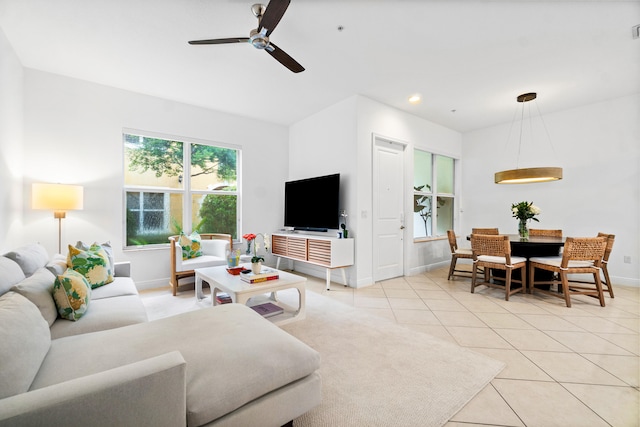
(72, 294)
(190, 245)
(93, 264)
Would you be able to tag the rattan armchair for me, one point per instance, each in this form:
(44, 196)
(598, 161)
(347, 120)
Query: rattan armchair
(582, 255)
(605, 261)
(494, 252)
(456, 254)
(544, 233)
(490, 231)
(181, 269)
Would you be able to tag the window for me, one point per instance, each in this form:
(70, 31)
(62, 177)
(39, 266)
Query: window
(171, 186)
(433, 179)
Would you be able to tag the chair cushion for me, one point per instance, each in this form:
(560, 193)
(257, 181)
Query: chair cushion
(25, 339)
(215, 247)
(191, 245)
(464, 252)
(556, 261)
(38, 288)
(202, 261)
(29, 258)
(92, 263)
(72, 294)
(10, 274)
(501, 259)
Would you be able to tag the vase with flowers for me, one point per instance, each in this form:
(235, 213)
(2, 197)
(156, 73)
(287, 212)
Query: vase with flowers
(256, 259)
(524, 211)
(249, 237)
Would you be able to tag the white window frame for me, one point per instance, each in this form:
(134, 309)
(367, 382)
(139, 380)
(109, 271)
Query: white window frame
(434, 194)
(186, 190)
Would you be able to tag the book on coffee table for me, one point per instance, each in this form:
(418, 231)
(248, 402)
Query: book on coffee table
(223, 298)
(267, 309)
(265, 275)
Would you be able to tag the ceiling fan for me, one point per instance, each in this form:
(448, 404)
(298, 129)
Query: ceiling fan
(268, 18)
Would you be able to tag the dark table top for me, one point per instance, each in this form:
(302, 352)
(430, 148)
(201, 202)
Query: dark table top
(536, 240)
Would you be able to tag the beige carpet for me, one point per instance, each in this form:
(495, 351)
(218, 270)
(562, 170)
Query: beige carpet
(374, 372)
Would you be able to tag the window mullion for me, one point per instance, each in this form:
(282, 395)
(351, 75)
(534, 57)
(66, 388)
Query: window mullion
(186, 186)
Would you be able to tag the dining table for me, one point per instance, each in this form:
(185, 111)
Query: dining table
(533, 246)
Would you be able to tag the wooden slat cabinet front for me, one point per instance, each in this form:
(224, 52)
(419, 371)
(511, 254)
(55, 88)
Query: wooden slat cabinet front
(327, 252)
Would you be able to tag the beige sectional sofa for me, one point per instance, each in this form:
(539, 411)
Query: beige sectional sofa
(222, 366)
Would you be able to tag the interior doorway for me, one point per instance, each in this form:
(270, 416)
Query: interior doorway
(388, 208)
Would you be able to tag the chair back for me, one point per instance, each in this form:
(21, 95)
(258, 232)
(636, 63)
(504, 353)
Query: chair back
(491, 245)
(491, 231)
(607, 251)
(544, 233)
(453, 243)
(583, 249)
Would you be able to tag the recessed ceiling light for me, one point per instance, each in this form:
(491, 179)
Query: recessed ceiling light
(415, 99)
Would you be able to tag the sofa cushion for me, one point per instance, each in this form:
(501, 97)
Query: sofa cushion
(93, 264)
(233, 356)
(190, 245)
(10, 274)
(57, 265)
(72, 294)
(106, 313)
(25, 341)
(30, 257)
(38, 288)
(119, 287)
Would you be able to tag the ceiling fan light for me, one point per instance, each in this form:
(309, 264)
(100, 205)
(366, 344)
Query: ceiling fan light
(528, 175)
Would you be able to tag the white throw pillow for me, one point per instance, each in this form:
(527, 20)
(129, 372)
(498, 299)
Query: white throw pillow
(25, 340)
(30, 257)
(38, 288)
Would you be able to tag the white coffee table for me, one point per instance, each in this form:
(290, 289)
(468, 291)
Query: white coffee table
(240, 291)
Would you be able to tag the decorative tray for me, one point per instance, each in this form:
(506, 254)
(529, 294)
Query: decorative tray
(235, 270)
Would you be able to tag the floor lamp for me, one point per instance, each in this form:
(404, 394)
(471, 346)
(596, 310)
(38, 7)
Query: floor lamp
(59, 198)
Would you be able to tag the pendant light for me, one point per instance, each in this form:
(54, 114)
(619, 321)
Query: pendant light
(527, 175)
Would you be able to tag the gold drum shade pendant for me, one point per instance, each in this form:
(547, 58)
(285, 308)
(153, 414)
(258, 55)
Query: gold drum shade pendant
(527, 175)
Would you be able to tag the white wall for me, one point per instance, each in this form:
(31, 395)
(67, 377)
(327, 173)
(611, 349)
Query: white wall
(323, 144)
(73, 134)
(598, 147)
(11, 116)
(340, 139)
(379, 119)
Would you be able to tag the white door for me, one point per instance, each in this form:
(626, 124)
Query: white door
(388, 215)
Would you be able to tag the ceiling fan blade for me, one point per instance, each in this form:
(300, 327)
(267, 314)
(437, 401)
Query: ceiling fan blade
(282, 57)
(221, 41)
(272, 15)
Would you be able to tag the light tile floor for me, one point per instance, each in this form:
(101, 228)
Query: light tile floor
(577, 366)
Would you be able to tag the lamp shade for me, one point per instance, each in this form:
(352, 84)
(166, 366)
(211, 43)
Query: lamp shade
(528, 175)
(57, 197)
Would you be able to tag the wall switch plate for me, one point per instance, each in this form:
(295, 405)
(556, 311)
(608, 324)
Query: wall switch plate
(627, 259)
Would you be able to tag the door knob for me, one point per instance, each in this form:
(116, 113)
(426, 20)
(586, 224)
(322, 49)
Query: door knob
(402, 227)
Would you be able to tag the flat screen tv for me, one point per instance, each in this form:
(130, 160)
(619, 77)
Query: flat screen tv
(312, 204)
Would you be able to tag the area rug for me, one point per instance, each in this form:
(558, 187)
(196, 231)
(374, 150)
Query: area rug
(374, 371)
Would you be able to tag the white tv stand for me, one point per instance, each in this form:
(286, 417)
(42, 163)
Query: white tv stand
(328, 252)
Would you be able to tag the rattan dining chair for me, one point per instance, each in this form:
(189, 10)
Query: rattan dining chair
(544, 233)
(494, 252)
(582, 255)
(605, 261)
(491, 231)
(456, 254)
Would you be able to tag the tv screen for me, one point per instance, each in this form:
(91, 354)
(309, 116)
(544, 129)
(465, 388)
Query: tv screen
(312, 204)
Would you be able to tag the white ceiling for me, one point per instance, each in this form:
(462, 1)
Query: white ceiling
(469, 56)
